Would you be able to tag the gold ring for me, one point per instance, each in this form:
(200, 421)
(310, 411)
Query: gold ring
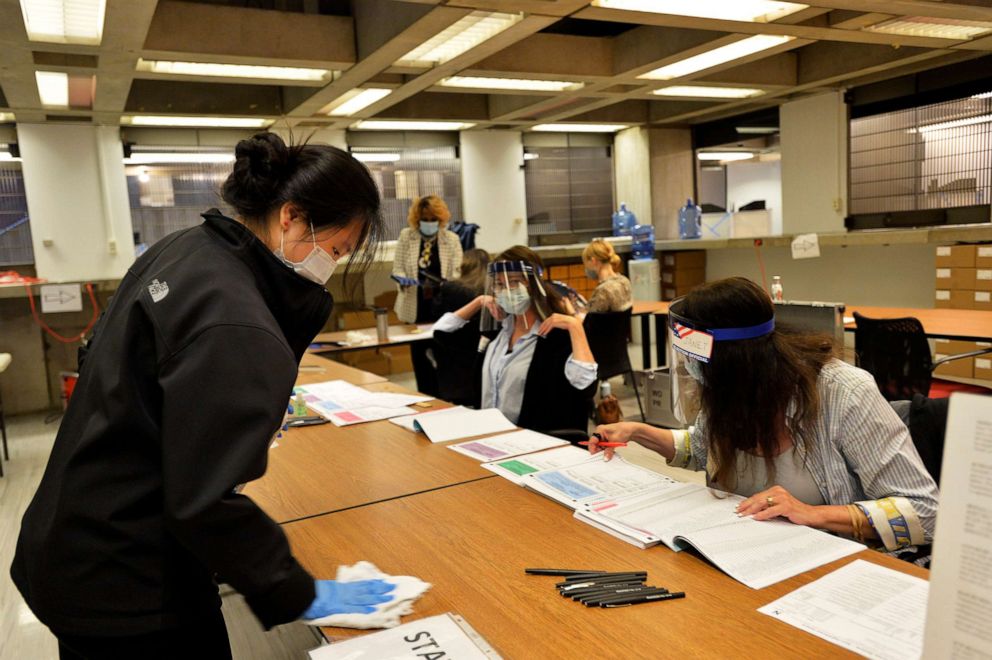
(770, 501)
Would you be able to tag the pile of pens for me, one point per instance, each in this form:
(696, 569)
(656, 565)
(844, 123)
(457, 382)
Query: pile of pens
(604, 589)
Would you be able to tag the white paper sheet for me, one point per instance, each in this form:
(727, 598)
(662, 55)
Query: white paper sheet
(515, 469)
(507, 445)
(431, 637)
(959, 616)
(423, 332)
(344, 404)
(409, 423)
(464, 424)
(863, 607)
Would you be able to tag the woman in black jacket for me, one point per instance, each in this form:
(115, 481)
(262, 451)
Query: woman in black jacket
(184, 384)
(538, 370)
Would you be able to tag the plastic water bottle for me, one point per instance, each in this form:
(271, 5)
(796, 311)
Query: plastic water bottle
(642, 245)
(299, 405)
(623, 221)
(777, 293)
(690, 220)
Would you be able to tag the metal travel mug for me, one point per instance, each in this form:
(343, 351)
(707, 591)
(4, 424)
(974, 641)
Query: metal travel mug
(381, 324)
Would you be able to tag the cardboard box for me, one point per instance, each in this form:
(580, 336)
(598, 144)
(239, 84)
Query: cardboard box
(368, 359)
(983, 367)
(363, 319)
(559, 273)
(983, 279)
(682, 260)
(399, 358)
(683, 278)
(945, 299)
(963, 368)
(983, 256)
(982, 300)
(953, 346)
(576, 270)
(957, 279)
(956, 256)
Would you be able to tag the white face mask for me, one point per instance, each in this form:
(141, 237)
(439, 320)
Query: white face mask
(515, 300)
(316, 266)
(429, 228)
(695, 369)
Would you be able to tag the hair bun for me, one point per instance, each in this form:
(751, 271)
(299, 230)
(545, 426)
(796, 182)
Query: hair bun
(260, 167)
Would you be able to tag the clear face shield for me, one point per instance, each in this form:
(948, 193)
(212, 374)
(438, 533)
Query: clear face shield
(513, 287)
(690, 346)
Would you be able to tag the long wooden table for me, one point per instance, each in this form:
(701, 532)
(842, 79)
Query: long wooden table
(320, 469)
(962, 324)
(316, 369)
(648, 310)
(473, 541)
(399, 335)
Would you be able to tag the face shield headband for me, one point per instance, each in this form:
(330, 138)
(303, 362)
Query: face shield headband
(696, 341)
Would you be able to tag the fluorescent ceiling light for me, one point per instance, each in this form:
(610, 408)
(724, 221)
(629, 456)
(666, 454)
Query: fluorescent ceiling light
(756, 130)
(53, 88)
(64, 21)
(955, 123)
(579, 128)
(712, 58)
(463, 35)
(6, 116)
(531, 156)
(401, 125)
(983, 95)
(699, 91)
(942, 28)
(479, 82)
(214, 70)
(211, 122)
(357, 99)
(725, 155)
(155, 158)
(6, 156)
(143, 176)
(753, 11)
(376, 157)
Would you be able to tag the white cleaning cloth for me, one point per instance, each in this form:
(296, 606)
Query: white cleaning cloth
(386, 615)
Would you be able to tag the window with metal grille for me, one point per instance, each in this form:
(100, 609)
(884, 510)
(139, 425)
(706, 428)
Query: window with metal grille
(569, 190)
(403, 174)
(15, 230)
(934, 156)
(169, 197)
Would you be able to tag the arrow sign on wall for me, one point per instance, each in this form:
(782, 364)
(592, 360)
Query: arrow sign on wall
(61, 298)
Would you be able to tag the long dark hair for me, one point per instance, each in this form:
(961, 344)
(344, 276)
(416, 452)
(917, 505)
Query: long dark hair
(748, 384)
(525, 254)
(473, 270)
(327, 184)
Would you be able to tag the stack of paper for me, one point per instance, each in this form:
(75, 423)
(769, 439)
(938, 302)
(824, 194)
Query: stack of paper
(594, 481)
(409, 422)
(462, 424)
(515, 469)
(507, 445)
(344, 404)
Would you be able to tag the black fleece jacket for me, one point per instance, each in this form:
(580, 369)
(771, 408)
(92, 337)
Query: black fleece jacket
(184, 383)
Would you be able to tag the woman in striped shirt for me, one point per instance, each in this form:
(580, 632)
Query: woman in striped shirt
(801, 434)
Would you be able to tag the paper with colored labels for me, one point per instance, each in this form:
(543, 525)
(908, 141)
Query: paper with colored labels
(517, 468)
(863, 607)
(692, 342)
(506, 445)
(344, 404)
(594, 481)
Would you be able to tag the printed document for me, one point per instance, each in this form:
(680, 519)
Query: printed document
(863, 607)
(343, 403)
(507, 445)
(463, 424)
(441, 637)
(515, 469)
(410, 422)
(959, 616)
(594, 481)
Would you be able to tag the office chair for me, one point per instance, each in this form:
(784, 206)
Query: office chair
(459, 365)
(896, 352)
(926, 420)
(607, 335)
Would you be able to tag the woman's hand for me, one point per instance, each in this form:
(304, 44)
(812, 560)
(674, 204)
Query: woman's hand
(619, 432)
(563, 321)
(777, 502)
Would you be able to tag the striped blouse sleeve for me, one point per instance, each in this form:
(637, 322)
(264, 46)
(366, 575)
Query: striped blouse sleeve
(902, 504)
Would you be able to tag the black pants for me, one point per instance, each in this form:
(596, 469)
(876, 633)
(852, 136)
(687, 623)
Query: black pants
(206, 638)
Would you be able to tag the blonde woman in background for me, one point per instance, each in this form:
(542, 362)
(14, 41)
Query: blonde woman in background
(426, 253)
(603, 264)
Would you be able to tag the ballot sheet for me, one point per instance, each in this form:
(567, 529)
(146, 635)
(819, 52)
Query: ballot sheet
(507, 445)
(517, 468)
(866, 608)
(344, 404)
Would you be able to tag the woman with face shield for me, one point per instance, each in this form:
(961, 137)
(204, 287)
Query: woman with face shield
(182, 388)
(538, 368)
(775, 417)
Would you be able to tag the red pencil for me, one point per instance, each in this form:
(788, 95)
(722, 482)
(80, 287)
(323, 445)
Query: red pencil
(605, 444)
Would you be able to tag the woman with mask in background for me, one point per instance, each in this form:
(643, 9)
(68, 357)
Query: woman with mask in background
(603, 264)
(181, 389)
(777, 418)
(426, 254)
(538, 369)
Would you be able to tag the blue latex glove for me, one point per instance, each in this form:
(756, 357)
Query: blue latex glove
(405, 281)
(357, 597)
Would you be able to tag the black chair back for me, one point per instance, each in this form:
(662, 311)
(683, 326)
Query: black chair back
(459, 365)
(896, 352)
(607, 336)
